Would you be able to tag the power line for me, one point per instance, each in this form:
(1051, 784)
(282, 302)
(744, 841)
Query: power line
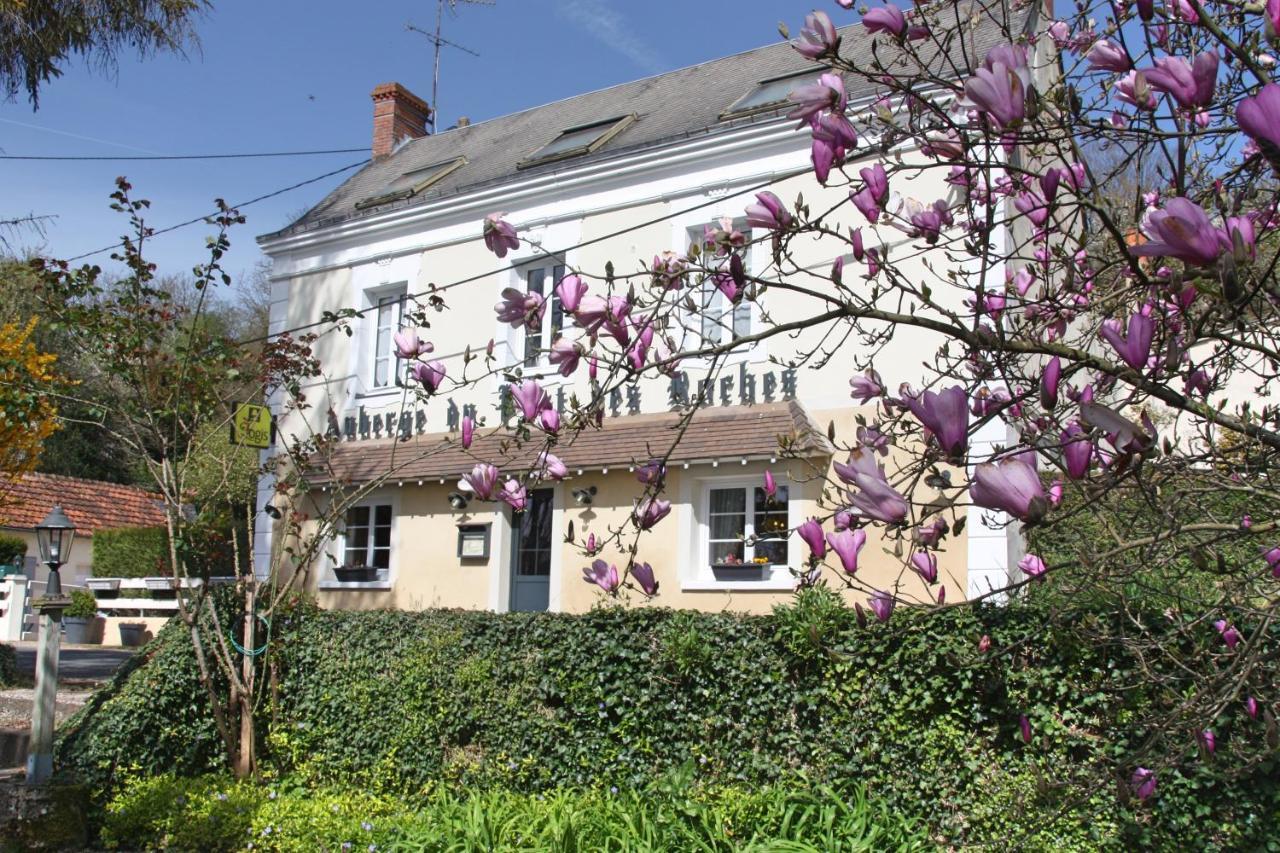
(469, 279)
(234, 206)
(183, 156)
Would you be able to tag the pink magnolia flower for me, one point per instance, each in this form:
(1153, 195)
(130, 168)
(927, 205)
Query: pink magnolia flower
(928, 221)
(1272, 11)
(925, 564)
(1143, 782)
(867, 386)
(570, 291)
(566, 354)
(1190, 84)
(1060, 32)
(514, 495)
(875, 498)
(768, 212)
(818, 36)
(642, 573)
(521, 309)
(999, 92)
(945, 414)
(1134, 90)
(499, 235)
(550, 467)
(1033, 566)
(481, 480)
(1208, 741)
(1049, 381)
(649, 511)
(984, 644)
(1272, 556)
(597, 311)
(1259, 116)
(811, 532)
(1024, 726)
(651, 473)
(874, 193)
(833, 135)
(430, 374)
(846, 544)
(881, 604)
(531, 399)
(1011, 485)
(770, 485)
(1230, 634)
(931, 534)
(1181, 230)
(603, 575)
(548, 421)
(827, 94)
(468, 431)
(885, 19)
(409, 345)
(1106, 56)
(1251, 707)
(1134, 348)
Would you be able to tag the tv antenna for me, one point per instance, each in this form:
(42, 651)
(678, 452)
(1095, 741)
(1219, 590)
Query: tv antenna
(438, 41)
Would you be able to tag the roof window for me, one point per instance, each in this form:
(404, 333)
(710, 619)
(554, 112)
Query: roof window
(770, 94)
(577, 141)
(413, 182)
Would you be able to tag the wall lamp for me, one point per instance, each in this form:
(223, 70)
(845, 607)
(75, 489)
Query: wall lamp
(584, 497)
(458, 500)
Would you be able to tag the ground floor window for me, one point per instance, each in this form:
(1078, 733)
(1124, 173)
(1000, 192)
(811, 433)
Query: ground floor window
(367, 542)
(745, 525)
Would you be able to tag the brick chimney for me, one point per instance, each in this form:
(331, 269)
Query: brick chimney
(398, 114)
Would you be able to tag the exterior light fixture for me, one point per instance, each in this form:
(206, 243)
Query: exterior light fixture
(458, 500)
(55, 536)
(584, 497)
(273, 512)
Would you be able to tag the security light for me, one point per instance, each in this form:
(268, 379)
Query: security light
(583, 497)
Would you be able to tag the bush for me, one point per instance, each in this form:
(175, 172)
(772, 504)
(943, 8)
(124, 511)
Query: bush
(83, 605)
(8, 666)
(131, 552)
(396, 704)
(11, 546)
(214, 814)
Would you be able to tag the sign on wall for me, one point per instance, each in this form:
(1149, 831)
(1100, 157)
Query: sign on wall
(251, 426)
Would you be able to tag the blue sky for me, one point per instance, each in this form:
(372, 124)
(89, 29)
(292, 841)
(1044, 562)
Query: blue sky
(274, 75)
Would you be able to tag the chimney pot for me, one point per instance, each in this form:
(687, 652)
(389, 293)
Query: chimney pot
(398, 114)
(463, 121)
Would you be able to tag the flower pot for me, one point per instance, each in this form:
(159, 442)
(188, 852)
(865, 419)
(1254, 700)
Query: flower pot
(740, 571)
(101, 586)
(133, 634)
(78, 630)
(355, 574)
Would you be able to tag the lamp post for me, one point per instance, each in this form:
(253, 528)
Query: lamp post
(54, 535)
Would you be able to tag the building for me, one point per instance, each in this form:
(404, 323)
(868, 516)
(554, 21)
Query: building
(91, 505)
(615, 176)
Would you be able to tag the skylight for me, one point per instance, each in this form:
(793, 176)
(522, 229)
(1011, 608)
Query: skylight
(771, 93)
(413, 182)
(576, 141)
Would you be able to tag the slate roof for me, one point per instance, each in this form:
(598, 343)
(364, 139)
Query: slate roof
(670, 107)
(719, 433)
(90, 504)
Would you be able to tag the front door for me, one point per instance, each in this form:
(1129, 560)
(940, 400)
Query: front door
(531, 553)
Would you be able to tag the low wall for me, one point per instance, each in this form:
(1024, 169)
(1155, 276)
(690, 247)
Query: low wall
(111, 627)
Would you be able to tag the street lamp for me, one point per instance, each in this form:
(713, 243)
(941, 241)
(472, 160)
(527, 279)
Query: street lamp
(54, 535)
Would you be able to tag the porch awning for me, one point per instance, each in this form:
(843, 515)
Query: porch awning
(712, 434)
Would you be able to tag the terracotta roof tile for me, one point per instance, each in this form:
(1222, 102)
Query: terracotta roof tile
(90, 504)
(714, 433)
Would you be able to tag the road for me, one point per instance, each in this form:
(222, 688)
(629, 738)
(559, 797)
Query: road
(78, 663)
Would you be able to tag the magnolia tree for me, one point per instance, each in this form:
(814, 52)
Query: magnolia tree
(1099, 276)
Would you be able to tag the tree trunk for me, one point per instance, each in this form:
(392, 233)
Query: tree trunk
(245, 758)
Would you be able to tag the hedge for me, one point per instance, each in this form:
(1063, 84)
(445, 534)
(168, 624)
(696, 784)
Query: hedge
(11, 546)
(8, 666)
(401, 703)
(131, 552)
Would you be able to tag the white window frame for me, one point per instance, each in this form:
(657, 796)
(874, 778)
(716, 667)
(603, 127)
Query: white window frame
(551, 238)
(398, 292)
(338, 555)
(696, 532)
(546, 334)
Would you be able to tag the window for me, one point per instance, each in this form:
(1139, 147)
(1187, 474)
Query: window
(770, 94)
(543, 280)
(744, 525)
(577, 141)
(716, 318)
(413, 182)
(367, 538)
(387, 318)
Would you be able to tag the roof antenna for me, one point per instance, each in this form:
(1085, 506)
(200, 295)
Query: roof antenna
(439, 41)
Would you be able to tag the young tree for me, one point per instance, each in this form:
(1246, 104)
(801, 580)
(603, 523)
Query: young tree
(27, 416)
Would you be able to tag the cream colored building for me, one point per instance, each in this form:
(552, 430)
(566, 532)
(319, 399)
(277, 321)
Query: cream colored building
(615, 176)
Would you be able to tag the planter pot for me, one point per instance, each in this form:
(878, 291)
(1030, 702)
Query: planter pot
(98, 586)
(133, 634)
(80, 630)
(160, 584)
(741, 571)
(356, 574)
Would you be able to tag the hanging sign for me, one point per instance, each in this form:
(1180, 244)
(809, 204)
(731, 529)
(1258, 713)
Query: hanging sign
(251, 426)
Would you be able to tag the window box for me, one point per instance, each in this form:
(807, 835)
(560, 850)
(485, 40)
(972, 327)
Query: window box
(742, 571)
(103, 585)
(355, 574)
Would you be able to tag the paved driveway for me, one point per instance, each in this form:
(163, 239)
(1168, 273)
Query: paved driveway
(77, 663)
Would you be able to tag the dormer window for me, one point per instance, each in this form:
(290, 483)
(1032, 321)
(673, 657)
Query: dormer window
(413, 182)
(770, 94)
(577, 141)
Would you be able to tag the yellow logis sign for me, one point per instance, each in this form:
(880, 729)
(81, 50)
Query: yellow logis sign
(251, 425)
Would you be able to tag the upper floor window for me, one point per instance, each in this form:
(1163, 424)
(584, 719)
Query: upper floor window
(770, 94)
(717, 319)
(576, 141)
(387, 312)
(542, 279)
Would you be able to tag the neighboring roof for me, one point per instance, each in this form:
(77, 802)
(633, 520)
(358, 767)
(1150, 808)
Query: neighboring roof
(90, 504)
(668, 107)
(722, 433)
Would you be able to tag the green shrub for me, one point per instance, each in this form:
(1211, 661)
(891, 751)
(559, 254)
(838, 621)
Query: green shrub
(11, 547)
(8, 666)
(83, 605)
(131, 552)
(396, 704)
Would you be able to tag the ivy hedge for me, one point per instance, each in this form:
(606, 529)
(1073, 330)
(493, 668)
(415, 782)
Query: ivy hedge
(8, 665)
(131, 552)
(11, 546)
(403, 704)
